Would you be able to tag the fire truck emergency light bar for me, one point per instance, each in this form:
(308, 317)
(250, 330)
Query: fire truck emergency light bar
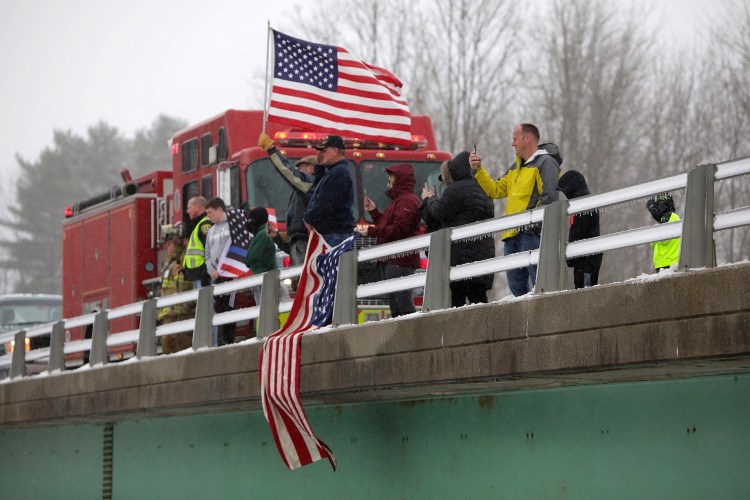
(309, 139)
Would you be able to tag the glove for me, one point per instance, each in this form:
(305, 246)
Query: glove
(265, 142)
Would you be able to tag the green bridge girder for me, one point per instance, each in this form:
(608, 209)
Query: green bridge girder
(631, 390)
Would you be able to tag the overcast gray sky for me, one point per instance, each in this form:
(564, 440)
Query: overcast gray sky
(68, 63)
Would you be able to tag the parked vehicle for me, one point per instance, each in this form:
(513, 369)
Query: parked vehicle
(20, 311)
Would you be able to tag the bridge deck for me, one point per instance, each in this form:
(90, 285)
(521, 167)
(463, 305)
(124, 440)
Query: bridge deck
(681, 325)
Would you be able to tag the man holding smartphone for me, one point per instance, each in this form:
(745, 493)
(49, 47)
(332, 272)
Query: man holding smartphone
(530, 182)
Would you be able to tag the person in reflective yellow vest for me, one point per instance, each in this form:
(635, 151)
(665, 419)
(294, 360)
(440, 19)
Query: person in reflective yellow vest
(194, 262)
(173, 282)
(667, 252)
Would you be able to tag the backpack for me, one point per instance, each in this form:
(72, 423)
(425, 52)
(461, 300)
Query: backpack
(553, 150)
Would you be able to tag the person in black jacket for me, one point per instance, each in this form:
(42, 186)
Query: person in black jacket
(329, 210)
(463, 202)
(585, 225)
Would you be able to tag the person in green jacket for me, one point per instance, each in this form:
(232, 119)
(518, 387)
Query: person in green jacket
(261, 254)
(667, 252)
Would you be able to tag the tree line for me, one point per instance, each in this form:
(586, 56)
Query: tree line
(70, 170)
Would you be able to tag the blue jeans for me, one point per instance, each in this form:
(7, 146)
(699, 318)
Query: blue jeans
(334, 239)
(521, 281)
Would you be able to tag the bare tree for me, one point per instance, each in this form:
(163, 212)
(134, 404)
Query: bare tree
(596, 56)
(471, 79)
(455, 57)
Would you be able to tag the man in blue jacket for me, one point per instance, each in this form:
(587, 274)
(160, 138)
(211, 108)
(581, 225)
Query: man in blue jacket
(330, 208)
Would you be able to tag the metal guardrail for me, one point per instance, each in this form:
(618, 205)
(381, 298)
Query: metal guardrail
(697, 251)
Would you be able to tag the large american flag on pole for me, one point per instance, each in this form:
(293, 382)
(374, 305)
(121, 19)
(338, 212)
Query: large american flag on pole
(324, 87)
(281, 353)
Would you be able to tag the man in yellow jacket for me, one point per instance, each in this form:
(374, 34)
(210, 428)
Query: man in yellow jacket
(530, 182)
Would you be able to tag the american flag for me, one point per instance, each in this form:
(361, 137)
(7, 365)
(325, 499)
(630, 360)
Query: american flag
(272, 221)
(326, 88)
(281, 353)
(232, 261)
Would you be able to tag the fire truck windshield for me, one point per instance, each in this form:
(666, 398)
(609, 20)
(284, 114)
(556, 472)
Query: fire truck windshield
(266, 187)
(375, 180)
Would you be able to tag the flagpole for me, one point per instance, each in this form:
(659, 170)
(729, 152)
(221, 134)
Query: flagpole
(265, 91)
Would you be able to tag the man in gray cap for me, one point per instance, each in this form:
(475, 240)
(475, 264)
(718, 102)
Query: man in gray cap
(330, 208)
(300, 179)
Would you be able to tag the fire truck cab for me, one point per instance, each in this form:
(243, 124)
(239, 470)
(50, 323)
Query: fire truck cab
(112, 242)
(220, 157)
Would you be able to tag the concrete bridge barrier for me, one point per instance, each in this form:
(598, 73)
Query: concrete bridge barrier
(682, 324)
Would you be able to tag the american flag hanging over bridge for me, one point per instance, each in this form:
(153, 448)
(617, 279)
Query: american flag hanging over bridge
(324, 87)
(281, 353)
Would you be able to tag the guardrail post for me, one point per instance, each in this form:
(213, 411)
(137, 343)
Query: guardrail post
(268, 319)
(56, 347)
(18, 361)
(697, 245)
(345, 301)
(203, 335)
(437, 291)
(99, 353)
(147, 330)
(551, 272)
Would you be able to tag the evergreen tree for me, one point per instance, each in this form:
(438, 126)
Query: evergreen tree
(72, 169)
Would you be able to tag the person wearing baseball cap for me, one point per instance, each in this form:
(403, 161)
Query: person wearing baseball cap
(332, 141)
(330, 210)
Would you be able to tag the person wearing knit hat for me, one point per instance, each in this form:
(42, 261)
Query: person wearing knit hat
(462, 202)
(261, 254)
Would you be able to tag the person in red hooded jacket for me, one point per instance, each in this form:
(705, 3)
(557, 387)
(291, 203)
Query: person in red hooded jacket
(400, 220)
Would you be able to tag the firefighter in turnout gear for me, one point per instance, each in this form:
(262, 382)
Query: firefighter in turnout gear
(172, 282)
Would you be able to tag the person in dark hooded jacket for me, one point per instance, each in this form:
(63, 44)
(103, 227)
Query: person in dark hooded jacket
(261, 254)
(585, 225)
(400, 220)
(667, 252)
(463, 202)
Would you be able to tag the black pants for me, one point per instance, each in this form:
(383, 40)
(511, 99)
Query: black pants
(472, 290)
(399, 302)
(224, 303)
(583, 279)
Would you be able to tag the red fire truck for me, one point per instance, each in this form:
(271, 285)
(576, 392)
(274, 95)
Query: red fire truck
(111, 242)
